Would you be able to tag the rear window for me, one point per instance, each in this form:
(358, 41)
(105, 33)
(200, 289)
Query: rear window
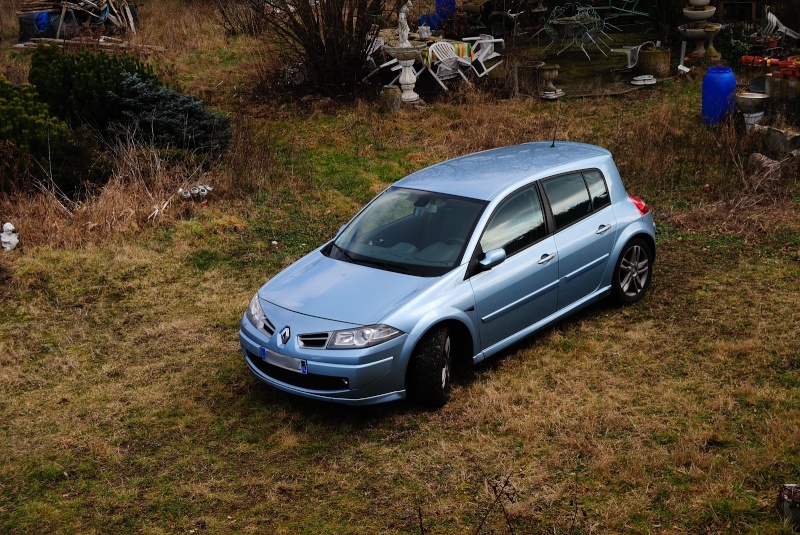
(597, 189)
(575, 195)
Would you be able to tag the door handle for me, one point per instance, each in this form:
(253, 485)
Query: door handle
(546, 258)
(602, 229)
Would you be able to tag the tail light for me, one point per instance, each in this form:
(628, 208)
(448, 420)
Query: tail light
(640, 204)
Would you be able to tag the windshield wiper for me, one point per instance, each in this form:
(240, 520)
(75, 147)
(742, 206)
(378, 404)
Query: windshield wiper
(366, 261)
(344, 253)
(383, 264)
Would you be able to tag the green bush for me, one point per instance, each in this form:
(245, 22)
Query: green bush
(165, 118)
(77, 86)
(731, 43)
(120, 95)
(34, 142)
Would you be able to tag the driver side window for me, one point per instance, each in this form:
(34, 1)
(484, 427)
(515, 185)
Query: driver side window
(517, 223)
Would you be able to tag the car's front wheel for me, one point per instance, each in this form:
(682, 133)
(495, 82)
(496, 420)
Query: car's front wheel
(632, 273)
(429, 372)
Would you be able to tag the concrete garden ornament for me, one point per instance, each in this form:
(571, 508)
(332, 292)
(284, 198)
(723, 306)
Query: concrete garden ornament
(9, 238)
(405, 53)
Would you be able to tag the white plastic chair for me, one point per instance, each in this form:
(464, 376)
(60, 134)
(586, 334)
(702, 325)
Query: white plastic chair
(393, 63)
(373, 46)
(633, 56)
(483, 50)
(778, 27)
(445, 63)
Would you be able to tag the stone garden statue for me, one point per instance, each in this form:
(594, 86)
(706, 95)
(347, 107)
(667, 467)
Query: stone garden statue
(402, 25)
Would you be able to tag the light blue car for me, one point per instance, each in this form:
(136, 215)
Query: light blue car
(453, 263)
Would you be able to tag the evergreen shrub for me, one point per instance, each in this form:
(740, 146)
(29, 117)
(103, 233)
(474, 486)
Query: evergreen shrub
(76, 86)
(121, 95)
(33, 142)
(165, 118)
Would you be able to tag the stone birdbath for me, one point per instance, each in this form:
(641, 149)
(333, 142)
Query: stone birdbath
(405, 53)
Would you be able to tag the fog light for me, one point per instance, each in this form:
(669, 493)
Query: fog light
(345, 382)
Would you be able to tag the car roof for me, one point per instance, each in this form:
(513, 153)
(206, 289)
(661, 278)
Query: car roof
(484, 175)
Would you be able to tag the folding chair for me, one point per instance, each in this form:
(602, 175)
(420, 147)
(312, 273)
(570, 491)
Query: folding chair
(373, 46)
(483, 50)
(445, 63)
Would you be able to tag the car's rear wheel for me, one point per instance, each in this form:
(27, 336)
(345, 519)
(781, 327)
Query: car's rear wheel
(430, 367)
(632, 273)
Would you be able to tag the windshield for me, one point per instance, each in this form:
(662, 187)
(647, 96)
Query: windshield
(416, 232)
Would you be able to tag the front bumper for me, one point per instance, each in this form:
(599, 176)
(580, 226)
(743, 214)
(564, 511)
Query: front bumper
(349, 376)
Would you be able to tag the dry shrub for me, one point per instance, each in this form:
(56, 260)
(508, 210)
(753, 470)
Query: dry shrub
(252, 160)
(13, 69)
(246, 17)
(767, 180)
(39, 217)
(738, 217)
(142, 192)
(8, 21)
(15, 72)
(273, 77)
(665, 152)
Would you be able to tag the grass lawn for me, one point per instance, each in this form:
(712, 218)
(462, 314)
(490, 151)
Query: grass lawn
(126, 406)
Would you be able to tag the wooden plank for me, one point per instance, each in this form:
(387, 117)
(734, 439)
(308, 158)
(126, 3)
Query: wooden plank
(61, 22)
(120, 17)
(130, 17)
(85, 42)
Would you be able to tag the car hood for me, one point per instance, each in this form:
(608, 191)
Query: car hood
(336, 290)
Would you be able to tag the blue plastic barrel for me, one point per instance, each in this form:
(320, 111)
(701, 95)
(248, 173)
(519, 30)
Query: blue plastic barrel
(719, 85)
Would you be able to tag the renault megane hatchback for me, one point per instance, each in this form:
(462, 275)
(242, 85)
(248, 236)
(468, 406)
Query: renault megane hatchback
(458, 260)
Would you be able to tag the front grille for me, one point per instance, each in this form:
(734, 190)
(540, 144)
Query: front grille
(268, 327)
(309, 381)
(313, 340)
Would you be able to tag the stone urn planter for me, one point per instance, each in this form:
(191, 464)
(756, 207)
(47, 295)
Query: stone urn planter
(654, 61)
(548, 73)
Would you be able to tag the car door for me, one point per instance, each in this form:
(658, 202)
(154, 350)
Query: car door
(522, 290)
(585, 230)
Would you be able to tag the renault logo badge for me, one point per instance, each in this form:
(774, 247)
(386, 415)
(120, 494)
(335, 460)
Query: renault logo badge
(285, 334)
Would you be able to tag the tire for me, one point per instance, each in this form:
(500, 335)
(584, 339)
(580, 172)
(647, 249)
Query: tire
(430, 368)
(633, 272)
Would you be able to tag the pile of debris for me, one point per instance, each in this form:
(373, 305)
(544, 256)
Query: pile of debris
(57, 19)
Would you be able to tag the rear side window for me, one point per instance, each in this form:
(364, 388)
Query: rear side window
(575, 195)
(597, 189)
(516, 224)
(569, 198)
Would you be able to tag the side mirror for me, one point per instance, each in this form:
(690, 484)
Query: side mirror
(493, 258)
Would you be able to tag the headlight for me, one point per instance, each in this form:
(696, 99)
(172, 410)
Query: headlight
(362, 337)
(255, 313)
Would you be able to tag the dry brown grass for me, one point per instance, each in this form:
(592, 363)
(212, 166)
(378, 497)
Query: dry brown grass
(656, 153)
(12, 67)
(126, 407)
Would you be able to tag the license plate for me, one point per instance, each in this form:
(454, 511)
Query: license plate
(283, 361)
